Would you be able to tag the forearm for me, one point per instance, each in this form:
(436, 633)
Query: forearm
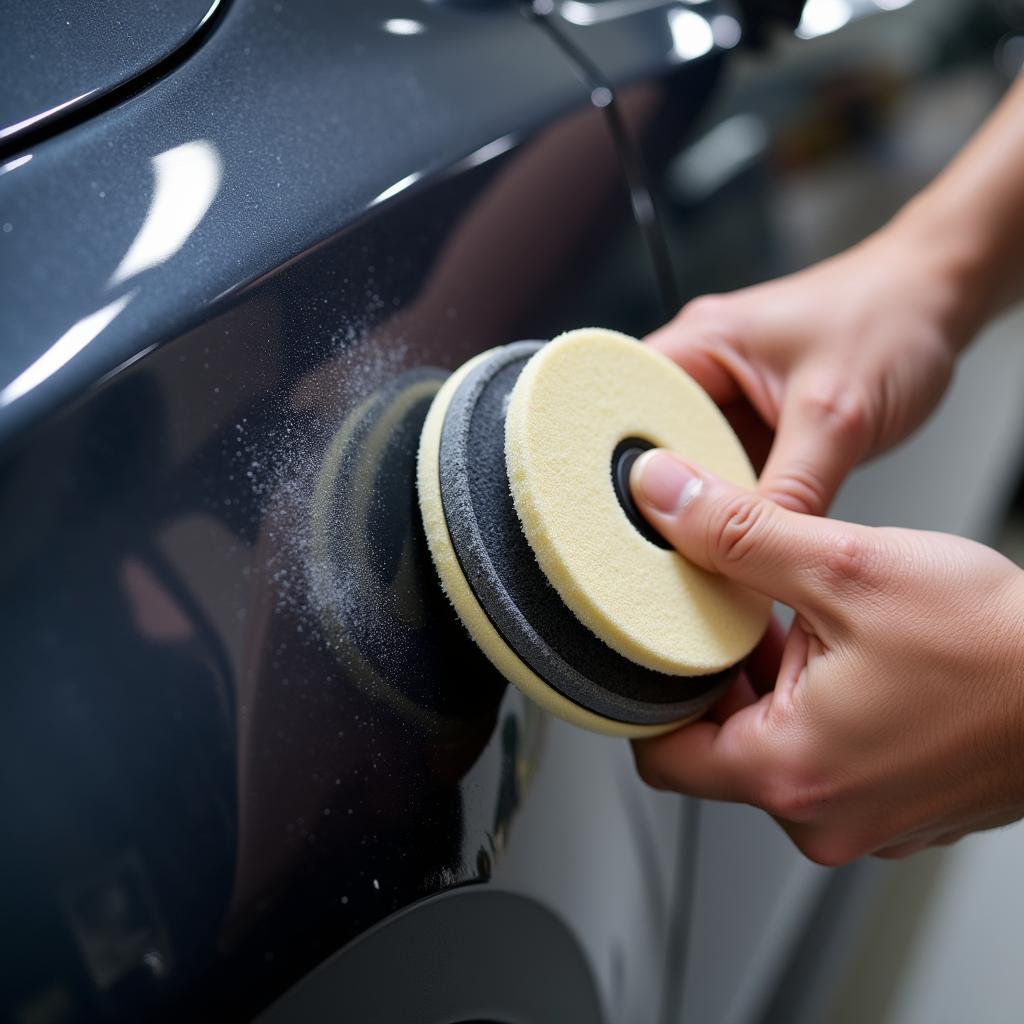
(969, 223)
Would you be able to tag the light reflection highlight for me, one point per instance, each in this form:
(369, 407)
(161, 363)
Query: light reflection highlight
(65, 348)
(110, 374)
(404, 27)
(691, 35)
(718, 157)
(578, 13)
(13, 129)
(489, 152)
(399, 186)
(726, 30)
(187, 178)
(820, 17)
(13, 165)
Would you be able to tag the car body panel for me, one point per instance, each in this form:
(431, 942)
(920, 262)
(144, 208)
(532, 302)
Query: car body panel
(241, 724)
(289, 124)
(60, 58)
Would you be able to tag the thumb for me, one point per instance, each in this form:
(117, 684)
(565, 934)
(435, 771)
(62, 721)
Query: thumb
(740, 534)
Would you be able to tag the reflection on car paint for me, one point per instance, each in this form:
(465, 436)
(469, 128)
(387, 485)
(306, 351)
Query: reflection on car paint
(235, 663)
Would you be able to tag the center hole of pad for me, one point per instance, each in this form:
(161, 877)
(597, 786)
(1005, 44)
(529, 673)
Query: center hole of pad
(625, 454)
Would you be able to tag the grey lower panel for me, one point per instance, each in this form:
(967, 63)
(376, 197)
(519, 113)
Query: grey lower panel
(468, 955)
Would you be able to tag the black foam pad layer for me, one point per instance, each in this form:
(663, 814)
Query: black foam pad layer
(509, 584)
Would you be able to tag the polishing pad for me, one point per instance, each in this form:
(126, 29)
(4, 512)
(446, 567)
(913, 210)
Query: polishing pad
(571, 407)
(514, 603)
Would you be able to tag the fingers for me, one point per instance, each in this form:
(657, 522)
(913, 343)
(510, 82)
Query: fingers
(741, 694)
(689, 351)
(701, 340)
(750, 427)
(823, 428)
(742, 743)
(821, 435)
(762, 668)
(708, 760)
(800, 560)
(796, 653)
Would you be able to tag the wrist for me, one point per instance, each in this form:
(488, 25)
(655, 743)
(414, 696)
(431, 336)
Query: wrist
(951, 258)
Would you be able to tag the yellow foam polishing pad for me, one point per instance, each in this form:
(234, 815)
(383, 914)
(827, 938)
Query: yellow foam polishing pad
(461, 595)
(575, 401)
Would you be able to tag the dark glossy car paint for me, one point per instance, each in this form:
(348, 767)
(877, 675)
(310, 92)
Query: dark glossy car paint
(63, 62)
(252, 767)
(240, 725)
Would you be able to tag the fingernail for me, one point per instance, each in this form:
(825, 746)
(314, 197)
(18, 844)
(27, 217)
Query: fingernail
(663, 482)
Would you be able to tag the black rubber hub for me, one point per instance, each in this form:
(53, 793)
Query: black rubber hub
(625, 454)
(507, 581)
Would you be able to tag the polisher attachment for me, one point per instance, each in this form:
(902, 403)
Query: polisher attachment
(501, 434)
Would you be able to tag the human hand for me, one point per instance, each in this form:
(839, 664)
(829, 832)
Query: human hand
(892, 716)
(828, 366)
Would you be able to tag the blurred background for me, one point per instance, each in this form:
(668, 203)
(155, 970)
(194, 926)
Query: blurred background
(811, 146)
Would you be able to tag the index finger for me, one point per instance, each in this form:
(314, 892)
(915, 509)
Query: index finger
(708, 760)
(702, 353)
(820, 438)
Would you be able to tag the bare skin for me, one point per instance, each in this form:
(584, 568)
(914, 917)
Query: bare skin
(892, 716)
(841, 361)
